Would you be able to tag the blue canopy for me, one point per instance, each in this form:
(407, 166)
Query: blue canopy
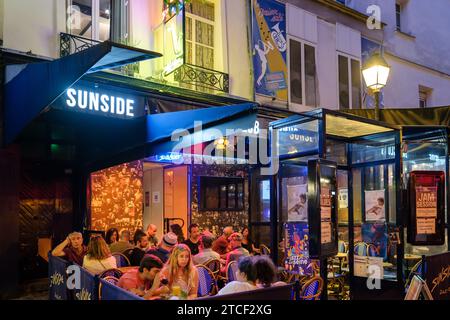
(214, 122)
(31, 88)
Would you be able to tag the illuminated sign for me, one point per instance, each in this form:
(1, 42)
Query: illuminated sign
(99, 103)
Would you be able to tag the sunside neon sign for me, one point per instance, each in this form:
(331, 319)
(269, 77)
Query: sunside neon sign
(101, 103)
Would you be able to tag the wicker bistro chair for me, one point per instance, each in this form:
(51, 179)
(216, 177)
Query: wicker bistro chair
(232, 268)
(206, 282)
(121, 260)
(214, 266)
(312, 289)
(116, 273)
(110, 279)
(265, 251)
(360, 249)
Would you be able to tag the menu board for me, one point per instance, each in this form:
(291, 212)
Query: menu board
(427, 207)
(325, 214)
(322, 208)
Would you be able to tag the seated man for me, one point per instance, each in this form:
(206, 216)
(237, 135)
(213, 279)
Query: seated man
(123, 243)
(237, 249)
(165, 247)
(141, 240)
(206, 251)
(151, 232)
(72, 249)
(140, 281)
(221, 245)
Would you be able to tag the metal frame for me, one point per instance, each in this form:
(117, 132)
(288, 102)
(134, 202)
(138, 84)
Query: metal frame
(320, 115)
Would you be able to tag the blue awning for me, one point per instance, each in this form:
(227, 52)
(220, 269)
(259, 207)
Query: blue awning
(215, 123)
(31, 88)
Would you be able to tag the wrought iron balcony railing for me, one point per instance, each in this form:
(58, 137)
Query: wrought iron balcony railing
(201, 77)
(70, 44)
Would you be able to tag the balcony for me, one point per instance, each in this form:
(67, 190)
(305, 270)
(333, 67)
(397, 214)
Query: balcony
(202, 77)
(70, 44)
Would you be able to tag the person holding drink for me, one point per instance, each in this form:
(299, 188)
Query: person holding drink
(180, 274)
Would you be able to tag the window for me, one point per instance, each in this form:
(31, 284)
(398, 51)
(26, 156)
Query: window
(422, 99)
(221, 194)
(424, 96)
(90, 18)
(349, 74)
(398, 15)
(200, 33)
(302, 73)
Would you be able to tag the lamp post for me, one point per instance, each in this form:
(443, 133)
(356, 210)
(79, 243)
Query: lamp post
(376, 73)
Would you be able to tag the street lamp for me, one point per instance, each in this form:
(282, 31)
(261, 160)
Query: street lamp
(376, 72)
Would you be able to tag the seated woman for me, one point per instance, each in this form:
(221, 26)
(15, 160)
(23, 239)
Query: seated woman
(266, 272)
(246, 276)
(98, 257)
(180, 273)
(112, 236)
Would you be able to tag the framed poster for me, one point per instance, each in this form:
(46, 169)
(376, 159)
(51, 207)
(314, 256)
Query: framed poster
(322, 208)
(426, 193)
(297, 203)
(375, 209)
(296, 260)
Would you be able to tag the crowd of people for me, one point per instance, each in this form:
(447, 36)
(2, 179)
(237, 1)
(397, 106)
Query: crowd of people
(168, 267)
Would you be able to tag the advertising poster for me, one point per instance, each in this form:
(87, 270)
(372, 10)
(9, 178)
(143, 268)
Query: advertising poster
(297, 259)
(375, 210)
(270, 48)
(376, 236)
(325, 215)
(297, 203)
(343, 198)
(426, 226)
(426, 202)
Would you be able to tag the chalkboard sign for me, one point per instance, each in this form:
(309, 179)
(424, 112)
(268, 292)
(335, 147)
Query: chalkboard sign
(322, 208)
(426, 190)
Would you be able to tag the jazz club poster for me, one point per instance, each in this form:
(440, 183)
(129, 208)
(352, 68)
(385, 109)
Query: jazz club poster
(296, 239)
(270, 48)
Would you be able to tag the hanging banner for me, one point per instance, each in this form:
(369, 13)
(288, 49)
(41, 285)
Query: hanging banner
(270, 48)
(297, 203)
(297, 249)
(375, 210)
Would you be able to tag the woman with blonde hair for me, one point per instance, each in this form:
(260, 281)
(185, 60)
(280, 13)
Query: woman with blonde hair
(98, 257)
(179, 273)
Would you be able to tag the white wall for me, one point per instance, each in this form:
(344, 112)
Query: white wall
(402, 90)
(153, 182)
(327, 65)
(34, 25)
(415, 60)
(238, 52)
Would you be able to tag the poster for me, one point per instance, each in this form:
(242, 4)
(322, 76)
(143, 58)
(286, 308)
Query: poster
(297, 259)
(270, 48)
(375, 210)
(325, 215)
(376, 236)
(426, 202)
(325, 229)
(325, 203)
(343, 198)
(426, 226)
(297, 203)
